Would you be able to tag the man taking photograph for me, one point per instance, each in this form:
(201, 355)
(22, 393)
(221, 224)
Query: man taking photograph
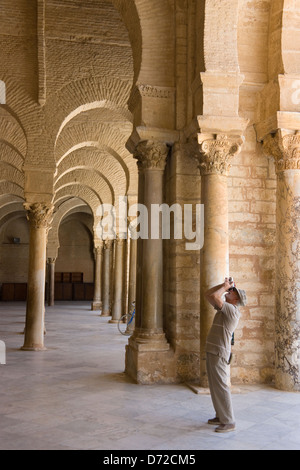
(218, 350)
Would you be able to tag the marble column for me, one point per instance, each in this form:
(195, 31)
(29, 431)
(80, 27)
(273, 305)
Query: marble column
(51, 281)
(147, 354)
(284, 146)
(98, 254)
(119, 279)
(40, 217)
(107, 263)
(216, 153)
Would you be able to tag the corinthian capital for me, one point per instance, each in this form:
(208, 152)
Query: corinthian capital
(285, 148)
(151, 154)
(39, 214)
(217, 152)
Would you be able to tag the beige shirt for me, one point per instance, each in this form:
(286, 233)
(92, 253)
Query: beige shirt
(218, 340)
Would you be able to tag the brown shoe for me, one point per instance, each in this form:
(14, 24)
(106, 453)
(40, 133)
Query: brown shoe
(215, 421)
(225, 428)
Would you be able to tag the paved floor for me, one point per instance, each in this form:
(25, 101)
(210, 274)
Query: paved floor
(76, 396)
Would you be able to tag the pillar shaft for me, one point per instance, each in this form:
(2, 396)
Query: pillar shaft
(285, 148)
(132, 279)
(139, 241)
(119, 279)
(215, 157)
(97, 301)
(51, 279)
(39, 216)
(152, 157)
(148, 355)
(107, 262)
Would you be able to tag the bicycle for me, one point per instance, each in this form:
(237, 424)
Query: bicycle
(125, 323)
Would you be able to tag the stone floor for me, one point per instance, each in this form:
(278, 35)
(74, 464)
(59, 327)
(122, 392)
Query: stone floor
(75, 395)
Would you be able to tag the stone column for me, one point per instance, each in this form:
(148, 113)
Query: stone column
(132, 278)
(97, 301)
(39, 216)
(107, 262)
(119, 279)
(216, 153)
(51, 281)
(147, 358)
(284, 146)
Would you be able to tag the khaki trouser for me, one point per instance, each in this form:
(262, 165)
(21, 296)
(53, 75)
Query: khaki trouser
(217, 372)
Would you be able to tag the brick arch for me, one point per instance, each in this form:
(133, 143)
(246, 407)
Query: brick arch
(155, 45)
(129, 13)
(108, 138)
(88, 177)
(82, 95)
(12, 189)
(11, 174)
(101, 160)
(12, 133)
(103, 126)
(8, 209)
(78, 190)
(64, 209)
(27, 117)
(284, 36)
(8, 199)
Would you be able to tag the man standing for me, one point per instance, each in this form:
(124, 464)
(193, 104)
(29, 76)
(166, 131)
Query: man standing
(218, 350)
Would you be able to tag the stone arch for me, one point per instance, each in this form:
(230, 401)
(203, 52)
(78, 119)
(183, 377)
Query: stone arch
(129, 13)
(156, 46)
(11, 188)
(8, 225)
(12, 174)
(11, 208)
(11, 133)
(13, 148)
(80, 191)
(64, 209)
(85, 134)
(88, 177)
(18, 103)
(103, 160)
(83, 95)
(284, 36)
(77, 255)
(7, 199)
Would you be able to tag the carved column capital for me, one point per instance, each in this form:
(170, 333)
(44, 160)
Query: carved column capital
(39, 214)
(285, 148)
(151, 155)
(217, 152)
(108, 244)
(98, 249)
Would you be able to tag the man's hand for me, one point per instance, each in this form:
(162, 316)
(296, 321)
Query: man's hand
(227, 284)
(214, 295)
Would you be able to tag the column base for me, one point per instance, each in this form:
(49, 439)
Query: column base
(105, 313)
(34, 348)
(287, 382)
(96, 305)
(113, 321)
(150, 360)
